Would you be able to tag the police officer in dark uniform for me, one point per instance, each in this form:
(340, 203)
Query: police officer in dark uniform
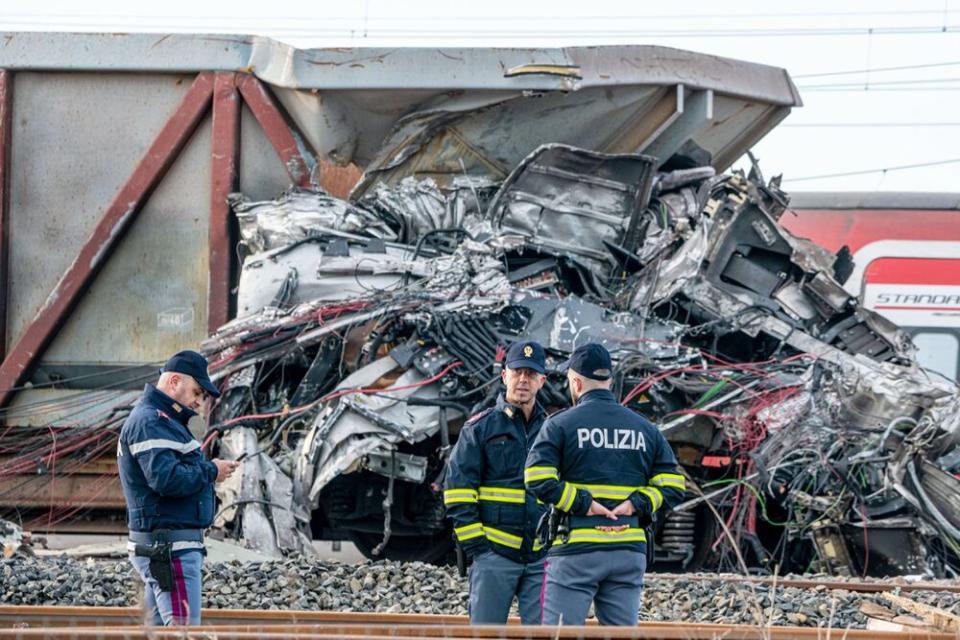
(168, 486)
(610, 470)
(494, 517)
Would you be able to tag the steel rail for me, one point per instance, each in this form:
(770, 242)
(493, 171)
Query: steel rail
(121, 622)
(809, 583)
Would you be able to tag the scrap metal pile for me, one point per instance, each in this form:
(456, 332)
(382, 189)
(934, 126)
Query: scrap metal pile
(369, 330)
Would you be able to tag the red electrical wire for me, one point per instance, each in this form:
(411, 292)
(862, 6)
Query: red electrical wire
(331, 396)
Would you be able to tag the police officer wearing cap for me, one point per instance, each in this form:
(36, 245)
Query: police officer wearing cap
(169, 489)
(494, 517)
(610, 469)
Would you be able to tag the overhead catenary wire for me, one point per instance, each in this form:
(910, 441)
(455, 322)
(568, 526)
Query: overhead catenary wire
(859, 172)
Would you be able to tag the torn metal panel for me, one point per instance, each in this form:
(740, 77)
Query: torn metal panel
(298, 215)
(803, 416)
(572, 201)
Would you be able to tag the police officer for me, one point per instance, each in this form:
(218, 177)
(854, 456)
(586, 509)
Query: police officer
(494, 517)
(168, 487)
(610, 470)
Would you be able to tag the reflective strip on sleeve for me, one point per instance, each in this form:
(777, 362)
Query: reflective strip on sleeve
(605, 537)
(674, 480)
(654, 495)
(159, 443)
(503, 538)
(469, 531)
(567, 497)
(502, 494)
(534, 474)
(608, 491)
(454, 496)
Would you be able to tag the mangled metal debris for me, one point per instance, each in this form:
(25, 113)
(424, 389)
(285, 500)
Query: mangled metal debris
(370, 330)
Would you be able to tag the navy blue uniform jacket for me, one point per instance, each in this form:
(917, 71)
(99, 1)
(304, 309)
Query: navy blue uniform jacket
(600, 450)
(167, 482)
(483, 489)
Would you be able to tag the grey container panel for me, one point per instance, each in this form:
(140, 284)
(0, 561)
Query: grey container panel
(150, 299)
(262, 174)
(76, 139)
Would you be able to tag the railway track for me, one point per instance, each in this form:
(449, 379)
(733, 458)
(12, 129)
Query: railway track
(119, 623)
(858, 586)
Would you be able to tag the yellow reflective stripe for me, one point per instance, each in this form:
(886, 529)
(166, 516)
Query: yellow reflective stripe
(533, 474)
(502, 537)
(669, 480)
(502, 494)
(567, 497)
(608, 491)
(453, 496)
(656, 498)
(605, 537)
(469, 531)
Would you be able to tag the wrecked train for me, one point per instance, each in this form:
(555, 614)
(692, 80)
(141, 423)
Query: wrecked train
(371, 329)
(367, 329)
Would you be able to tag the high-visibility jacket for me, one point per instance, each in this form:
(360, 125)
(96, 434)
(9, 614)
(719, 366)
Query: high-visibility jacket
(483, 489)
(600, 450)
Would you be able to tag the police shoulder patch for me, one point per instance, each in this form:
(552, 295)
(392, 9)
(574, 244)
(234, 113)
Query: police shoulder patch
(477, 416)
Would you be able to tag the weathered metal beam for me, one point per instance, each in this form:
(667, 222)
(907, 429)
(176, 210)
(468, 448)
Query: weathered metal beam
(225, 159)
(278, 132)
(6, 137)
(117, 219)
(89, 492)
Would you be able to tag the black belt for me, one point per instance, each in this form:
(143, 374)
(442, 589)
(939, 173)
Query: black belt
(179, 538)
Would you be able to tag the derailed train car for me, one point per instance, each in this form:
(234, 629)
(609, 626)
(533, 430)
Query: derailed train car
(568, 195)
(810, 436)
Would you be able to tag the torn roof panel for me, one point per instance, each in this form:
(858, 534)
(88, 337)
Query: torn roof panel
(419, 111)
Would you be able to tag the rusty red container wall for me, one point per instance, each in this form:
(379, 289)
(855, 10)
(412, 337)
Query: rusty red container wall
(186, 321)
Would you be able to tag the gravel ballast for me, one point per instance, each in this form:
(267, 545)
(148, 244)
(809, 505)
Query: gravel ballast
(414, 587)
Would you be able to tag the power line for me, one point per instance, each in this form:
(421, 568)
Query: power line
(880, 83)
(474, 18)
(814, 125)
(880, 89)
(876, 70)
(388, 33)
(868, 171)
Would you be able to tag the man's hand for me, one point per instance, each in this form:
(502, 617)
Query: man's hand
(597, 509)
(225, 468)
(625, 508)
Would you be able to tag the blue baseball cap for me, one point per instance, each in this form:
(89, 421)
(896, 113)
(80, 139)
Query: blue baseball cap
(194, 365)
(526, 355)
(590, 360)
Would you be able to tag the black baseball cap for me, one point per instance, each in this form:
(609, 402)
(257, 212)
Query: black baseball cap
(194, 365)
(590, 360)
(526, 355)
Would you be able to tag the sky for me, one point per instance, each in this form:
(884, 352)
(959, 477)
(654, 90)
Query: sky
(880, 79)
